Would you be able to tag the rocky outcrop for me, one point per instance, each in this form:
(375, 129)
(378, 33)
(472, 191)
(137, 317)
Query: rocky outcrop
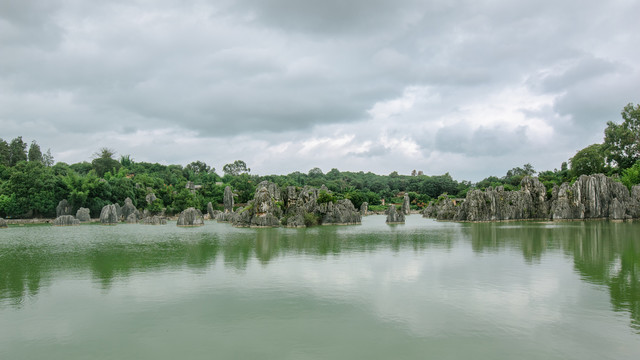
(83, 215)
(3, 223)
(594, 197)
(66, 220)
(118, 211)
(154, 220)
(394, 216)
(109, 215)
(262, 211)
(150, 198)
(364, 208)
(132, 218)
(294, 207)
(406, 206)
(212, 213)
(590, 197)
(226, 217)
(63, 208)
(228, 199)
(190, 217)
(128, 209)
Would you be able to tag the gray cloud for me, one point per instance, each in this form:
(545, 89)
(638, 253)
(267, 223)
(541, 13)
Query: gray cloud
(492, 77)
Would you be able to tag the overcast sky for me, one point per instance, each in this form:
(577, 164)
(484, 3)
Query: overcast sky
(472, 88)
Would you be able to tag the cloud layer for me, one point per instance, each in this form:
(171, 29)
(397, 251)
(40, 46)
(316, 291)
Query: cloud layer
(469, 87)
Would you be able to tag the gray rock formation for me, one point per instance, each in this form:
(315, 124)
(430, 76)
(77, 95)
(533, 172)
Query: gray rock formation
(128, 208)
(3, 223)
(594, 197)
(228, 199)
(109, 215)
(66, 220)
(132, 218)
(191, 217)
(210, 211)
(364, 208)
(150, 198)
(63, 208)
(83, 215)
(154, 220)
(118, 211)
(394, 216)
(590, 197)
(406, 205)
(293, 208)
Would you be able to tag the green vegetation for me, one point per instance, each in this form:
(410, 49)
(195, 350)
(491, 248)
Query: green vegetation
(31, 184)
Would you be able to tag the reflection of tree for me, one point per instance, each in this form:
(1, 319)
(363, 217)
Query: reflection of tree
(604, 253)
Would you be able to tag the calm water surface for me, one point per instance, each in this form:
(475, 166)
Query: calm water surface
(423, 290)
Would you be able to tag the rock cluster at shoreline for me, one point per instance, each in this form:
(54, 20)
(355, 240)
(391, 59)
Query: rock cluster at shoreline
(294, 207)
(590, 197)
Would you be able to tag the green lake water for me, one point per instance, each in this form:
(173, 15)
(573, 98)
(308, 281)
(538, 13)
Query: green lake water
(423, 290)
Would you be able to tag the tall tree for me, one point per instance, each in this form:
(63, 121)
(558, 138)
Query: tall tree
(622, 141)
(35, 154)
(589, 160)
(103, 162)
(236, 168)
(17, 151)
(47, 158)
(5, 153)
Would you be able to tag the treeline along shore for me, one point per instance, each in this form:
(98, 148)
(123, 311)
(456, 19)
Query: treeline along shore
(599, 181)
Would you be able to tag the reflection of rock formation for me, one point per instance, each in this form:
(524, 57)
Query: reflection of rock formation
(590, 197)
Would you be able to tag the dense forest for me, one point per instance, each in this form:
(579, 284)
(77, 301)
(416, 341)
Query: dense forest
(32, 183)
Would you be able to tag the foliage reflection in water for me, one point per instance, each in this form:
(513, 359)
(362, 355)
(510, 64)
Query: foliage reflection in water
(487, 282)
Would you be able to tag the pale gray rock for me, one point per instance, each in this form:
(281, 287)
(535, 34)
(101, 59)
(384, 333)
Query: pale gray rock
(132, 218)
(394, 216)
(118, 211)
(190, 217)
(3, 223)
(63, 208)
(128, 208)
(66, 220)
(228, 199)
(341, 213)
(364, 208)
(406, 206)
(150, 198)
(83, 215)
(109, 215)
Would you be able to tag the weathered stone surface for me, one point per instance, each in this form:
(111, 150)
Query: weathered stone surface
(228, 199)
(262, 211)
(118, 211)
(3, 223)
(190, 217)
(128, 208)
(406, 206)
(590, 197)
(154, 220)
(341, 213)
(63, 208)
(109, 215)
(364, 208)
(394, 216)
(150, 198)
(66, 220)
(593, 197)
(132, 218)
(226, 217)
(83, 215)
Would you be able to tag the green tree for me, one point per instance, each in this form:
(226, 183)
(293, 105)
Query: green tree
(199, 168)
(35, 154)
(47, 158)
(631, 176)
(236, 168)
(5, 153)
(17, 151)
(622, 141)
(590, 160)
(104, 162)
